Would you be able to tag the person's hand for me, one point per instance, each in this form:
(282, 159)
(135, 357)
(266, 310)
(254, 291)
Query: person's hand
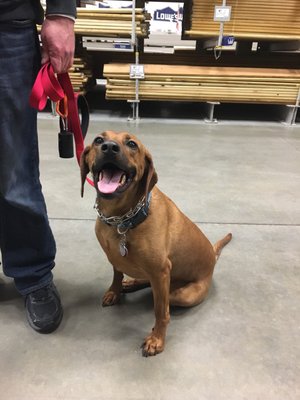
(58, 43)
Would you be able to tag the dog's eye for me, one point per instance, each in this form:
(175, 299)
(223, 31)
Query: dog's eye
(98, 140)
(131, 144)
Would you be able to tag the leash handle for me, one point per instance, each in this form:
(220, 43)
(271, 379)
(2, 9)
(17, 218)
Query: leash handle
(47, 84)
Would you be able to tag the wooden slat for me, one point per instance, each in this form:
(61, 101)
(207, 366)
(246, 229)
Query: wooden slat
(250, 19)
(80, 75)
(186, 83)
(111, 22)
(114, 23)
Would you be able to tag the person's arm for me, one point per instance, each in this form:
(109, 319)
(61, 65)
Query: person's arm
(57, 34)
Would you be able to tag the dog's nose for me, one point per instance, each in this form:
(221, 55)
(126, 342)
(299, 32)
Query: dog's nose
(110, 147)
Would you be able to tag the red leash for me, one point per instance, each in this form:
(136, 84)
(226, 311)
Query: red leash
(57, 88)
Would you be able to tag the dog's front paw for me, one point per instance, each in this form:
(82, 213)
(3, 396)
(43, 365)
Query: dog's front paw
(110, 298)
(152, 345)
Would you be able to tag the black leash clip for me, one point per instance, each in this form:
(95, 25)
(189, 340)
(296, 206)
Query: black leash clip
(65, 137)
(65, 140)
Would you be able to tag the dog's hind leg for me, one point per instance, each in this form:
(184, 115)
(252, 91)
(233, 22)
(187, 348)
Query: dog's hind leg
(132, 285)
(190, 294)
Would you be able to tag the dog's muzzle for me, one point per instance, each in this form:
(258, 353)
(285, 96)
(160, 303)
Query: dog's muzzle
(111, 173)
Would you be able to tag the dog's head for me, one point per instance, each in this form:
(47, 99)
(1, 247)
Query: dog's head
(119, 163)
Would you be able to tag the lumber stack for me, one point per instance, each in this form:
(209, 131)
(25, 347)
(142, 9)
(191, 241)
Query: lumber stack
(80, 75)
(250, 19)
(191, 57)
(192, 83)
(109, 22)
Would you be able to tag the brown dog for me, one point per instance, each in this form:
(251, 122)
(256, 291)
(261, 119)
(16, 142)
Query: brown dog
(144, 234)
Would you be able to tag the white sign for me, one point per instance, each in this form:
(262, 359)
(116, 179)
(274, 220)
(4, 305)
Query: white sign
(166, 16)
(222, 13)
(137, 71)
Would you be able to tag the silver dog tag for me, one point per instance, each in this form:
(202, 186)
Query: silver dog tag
(122, 246)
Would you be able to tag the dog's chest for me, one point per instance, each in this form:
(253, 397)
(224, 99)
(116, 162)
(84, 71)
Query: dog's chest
(127, 264)
(124, 260)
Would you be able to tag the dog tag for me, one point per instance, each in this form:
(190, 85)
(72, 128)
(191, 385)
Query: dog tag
(123, 249)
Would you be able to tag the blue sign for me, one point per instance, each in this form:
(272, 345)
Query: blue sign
(122, 46)
(227, 40)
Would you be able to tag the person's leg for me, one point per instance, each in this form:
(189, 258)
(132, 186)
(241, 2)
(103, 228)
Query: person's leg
(26, 240)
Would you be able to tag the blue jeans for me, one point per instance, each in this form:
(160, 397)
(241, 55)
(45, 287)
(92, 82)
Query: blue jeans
(26, 240)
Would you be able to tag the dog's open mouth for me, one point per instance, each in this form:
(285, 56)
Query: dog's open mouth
(111, 179)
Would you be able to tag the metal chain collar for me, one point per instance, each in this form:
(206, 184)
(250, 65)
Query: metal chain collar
(120, 220)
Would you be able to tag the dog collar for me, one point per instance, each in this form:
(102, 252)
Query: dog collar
(129, 220)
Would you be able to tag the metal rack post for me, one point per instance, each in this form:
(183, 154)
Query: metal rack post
(134, 45)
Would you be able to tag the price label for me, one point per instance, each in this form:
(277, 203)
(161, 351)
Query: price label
(222, 13)
(137, 71)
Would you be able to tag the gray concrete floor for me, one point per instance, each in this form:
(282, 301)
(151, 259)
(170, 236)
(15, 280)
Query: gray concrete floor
(241, 343)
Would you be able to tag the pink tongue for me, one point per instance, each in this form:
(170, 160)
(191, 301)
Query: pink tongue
(110, 180)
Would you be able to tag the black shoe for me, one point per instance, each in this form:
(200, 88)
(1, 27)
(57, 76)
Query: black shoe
(43, 309)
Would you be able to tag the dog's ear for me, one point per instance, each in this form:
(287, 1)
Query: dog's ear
(150, 176)
(84, 167)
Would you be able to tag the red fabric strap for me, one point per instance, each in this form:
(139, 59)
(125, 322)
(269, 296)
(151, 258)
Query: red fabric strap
(48, 85)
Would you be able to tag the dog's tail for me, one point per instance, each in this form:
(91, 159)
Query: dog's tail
(221, 243)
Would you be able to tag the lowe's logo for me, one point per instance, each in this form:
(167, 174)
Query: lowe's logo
(168, 14)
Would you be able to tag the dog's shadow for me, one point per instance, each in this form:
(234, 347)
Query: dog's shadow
(141, 300)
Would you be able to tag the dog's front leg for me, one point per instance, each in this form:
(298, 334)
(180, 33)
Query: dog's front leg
(113, 294)
(155, 342)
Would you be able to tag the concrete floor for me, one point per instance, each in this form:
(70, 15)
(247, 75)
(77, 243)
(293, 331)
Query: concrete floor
(241, 343)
